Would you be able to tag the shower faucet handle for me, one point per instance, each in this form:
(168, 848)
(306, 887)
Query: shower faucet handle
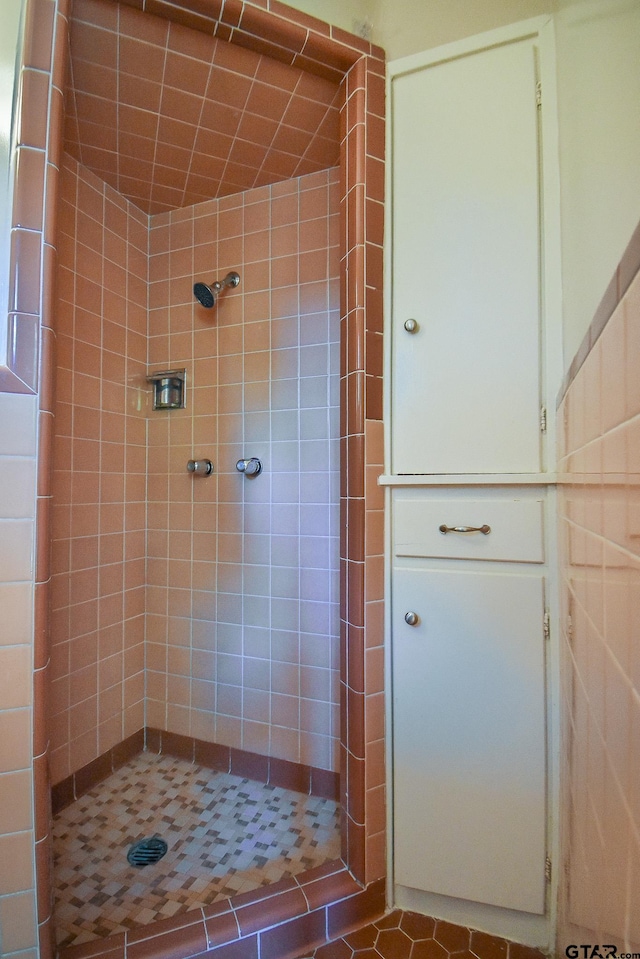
(250, 467)
(200, 467)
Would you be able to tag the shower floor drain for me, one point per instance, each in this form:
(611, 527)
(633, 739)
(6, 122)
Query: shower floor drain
(147, 851)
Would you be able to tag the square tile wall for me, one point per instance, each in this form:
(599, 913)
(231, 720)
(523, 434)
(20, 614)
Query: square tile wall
(25, 440)
(361, 501)
(242, 595)
(18, 445)
(99, 477)
(330, 52)
(242, 627)
(599, 430)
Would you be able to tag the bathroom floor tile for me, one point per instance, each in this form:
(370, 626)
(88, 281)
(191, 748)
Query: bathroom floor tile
(409, 935)
(225, 835)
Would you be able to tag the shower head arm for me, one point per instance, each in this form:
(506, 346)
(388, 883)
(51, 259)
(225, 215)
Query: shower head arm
(206, 294)
(231, 279)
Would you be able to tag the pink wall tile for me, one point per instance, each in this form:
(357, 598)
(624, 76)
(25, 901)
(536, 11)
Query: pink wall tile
(242, 366)
(600, 572)
(94, 448)
(76, 318)
(94, 577)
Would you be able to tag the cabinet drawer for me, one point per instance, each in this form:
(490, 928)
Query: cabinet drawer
(516, 529)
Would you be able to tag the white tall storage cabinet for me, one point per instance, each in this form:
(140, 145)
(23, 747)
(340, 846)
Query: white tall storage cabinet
(471, 291)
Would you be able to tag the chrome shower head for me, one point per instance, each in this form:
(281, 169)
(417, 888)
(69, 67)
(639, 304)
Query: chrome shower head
(206, 295)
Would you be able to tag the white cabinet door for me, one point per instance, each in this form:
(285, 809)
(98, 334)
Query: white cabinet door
(465, 265)
(469, 736)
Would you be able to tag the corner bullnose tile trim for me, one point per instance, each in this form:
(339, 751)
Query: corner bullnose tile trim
(618, 285)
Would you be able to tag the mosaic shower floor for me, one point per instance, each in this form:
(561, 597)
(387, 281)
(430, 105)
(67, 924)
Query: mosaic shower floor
(225, 835)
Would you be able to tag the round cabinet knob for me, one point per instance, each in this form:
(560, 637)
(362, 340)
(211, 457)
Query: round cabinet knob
(411, 618)
(411, 326)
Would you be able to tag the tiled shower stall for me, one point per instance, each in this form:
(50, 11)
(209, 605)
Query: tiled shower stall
(233, 581)
(114, 562)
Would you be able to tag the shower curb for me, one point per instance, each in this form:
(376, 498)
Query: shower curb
(274, 922)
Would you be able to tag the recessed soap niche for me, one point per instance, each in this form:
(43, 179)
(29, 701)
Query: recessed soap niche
(169, 389)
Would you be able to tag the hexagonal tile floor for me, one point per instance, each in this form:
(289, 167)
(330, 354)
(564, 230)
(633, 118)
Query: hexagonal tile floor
(408, 935)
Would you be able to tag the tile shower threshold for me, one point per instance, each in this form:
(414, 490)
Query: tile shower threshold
(274, 922)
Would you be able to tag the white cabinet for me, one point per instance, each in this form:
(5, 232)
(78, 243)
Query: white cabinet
(466, 264)
(473, 280)
(469, 730)
(469, 736)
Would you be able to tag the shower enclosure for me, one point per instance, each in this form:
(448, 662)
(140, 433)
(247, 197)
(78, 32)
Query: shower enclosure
(203, 605)
(204, 608)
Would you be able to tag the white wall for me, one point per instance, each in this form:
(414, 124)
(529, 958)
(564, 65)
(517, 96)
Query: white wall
(409, 26)
(347, 14)
(598, 45)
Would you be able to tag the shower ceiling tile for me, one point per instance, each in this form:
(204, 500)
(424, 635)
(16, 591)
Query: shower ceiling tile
(102, 43)
(137, 92)
(140, 59)
(96, 110)
(156, 32)
(268, 101)
(281, 166)
(257, 129)
(185, 73)
(135, 120)
(188, 117)
(276, 74)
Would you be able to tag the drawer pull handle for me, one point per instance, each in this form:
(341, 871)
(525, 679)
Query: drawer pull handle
(465, 529)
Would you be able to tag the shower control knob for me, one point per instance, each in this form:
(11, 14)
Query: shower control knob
(411, 618)
(200, 467)
(411, 326)
(250, 467)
